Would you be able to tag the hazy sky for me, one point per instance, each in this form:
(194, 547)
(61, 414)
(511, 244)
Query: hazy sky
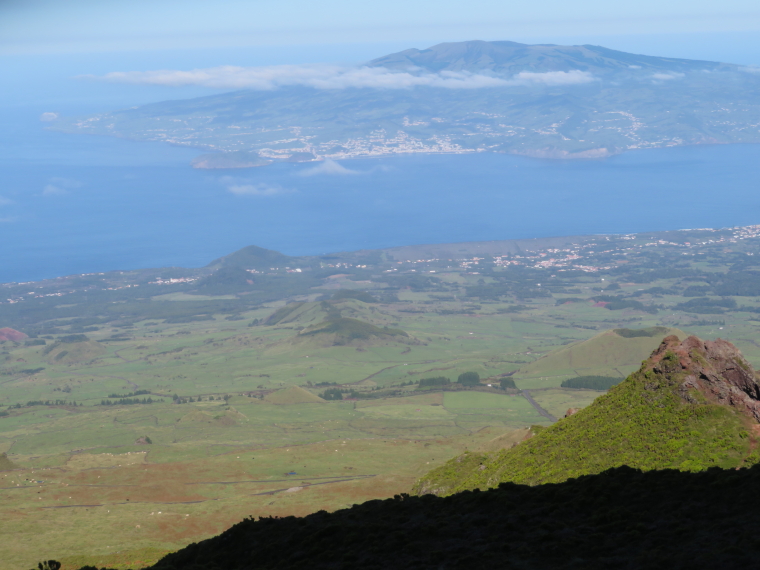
(46, 46)
(58, 26)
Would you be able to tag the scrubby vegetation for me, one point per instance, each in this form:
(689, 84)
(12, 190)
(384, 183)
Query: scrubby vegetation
(332, 394)
(436, 381)
(351, 294)
(592, 382)
(469, 379)
(649, 421)
(647, 332)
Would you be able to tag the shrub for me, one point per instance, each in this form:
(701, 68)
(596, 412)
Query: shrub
(437, 381)
(592, 382)
(469, 379)
(332, 394)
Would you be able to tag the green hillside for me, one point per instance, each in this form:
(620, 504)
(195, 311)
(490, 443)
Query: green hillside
(294, 312)
(343, 331)
(338, 322)
(72, 348)
(673, 413)
(616, 352)
(356, 305)
(253, 257)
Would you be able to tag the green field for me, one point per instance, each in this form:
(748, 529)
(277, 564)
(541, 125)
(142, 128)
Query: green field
(236, 378)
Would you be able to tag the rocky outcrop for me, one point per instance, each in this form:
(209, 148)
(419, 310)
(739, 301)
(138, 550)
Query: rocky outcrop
(691, 406)
(714, 370)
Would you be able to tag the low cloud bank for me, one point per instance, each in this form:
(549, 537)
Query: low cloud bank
(668, 76)
(328, 166)
(245, 188)
(334, 77)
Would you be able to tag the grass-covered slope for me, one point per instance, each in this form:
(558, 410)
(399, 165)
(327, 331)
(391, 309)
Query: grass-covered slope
(310, 314)
(345, 330)
(622, 519)
(691, 406)
(293, 395)
(601, 354)
(253, 257)
(71, 349)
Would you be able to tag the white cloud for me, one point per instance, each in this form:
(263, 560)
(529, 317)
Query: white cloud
(60, 186)
(48, 117)
(323, 76)
(751, 69)
(7, 220)
(634, 67)
(51, 190)
(328, 167)
(255, 190)
(553, 77)
(5, 201)
(667, 76)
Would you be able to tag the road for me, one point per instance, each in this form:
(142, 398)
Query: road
(539, 409)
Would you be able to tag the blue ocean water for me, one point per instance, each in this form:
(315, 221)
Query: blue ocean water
(76, 204)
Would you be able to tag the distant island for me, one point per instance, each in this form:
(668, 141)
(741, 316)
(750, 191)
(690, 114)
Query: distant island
(545, 101)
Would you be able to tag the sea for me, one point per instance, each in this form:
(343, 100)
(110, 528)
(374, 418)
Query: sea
(73, 204)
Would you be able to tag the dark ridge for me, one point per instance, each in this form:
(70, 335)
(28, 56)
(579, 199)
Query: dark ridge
(634, 333)
(623, 519)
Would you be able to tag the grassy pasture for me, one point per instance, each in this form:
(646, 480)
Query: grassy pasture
(124, 508)
(89, 452)
(557, 401)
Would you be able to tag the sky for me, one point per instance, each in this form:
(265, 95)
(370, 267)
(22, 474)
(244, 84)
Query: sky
(49, 48)
(96, 26)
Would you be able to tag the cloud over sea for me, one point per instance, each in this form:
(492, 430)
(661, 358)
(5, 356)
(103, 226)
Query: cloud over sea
(323, 76)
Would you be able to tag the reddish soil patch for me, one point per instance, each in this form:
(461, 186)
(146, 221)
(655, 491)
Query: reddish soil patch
(11, 334)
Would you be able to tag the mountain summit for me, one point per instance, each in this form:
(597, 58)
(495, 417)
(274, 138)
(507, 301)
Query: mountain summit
(692, 405)
(509, 58)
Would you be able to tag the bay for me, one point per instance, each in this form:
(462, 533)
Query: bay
(80, 204)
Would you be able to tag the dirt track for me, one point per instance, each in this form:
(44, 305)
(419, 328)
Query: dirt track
(272, 492)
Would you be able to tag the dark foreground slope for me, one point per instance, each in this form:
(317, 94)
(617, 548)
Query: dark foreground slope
(622, 519)
(692, 405)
